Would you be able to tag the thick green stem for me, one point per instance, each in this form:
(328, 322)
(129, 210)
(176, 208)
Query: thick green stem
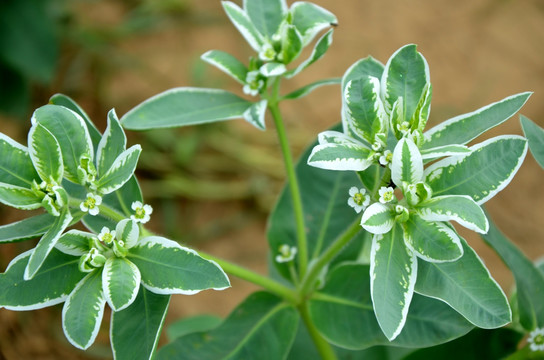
(293, 181)
(323, 347)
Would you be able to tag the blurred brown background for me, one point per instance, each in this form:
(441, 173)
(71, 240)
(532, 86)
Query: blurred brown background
(212, 186)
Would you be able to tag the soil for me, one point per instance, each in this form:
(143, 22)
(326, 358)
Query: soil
(479, 51)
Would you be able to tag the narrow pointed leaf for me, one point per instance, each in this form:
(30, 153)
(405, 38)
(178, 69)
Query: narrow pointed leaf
(484, 172)
(393, 273)
(28, 228)
(135, 330)
(52, 284)
(291, 45)
(319, 50)
(463, 128)
(15, 165)
(432, 241)
(310, 19)
(112, 144)
(262, 326)
(407, 164)
(46, 244)
(185, 106)
(120, 171)
(226, 63)
(255, 114)
(244, 25)
(168, 268)
(75, 242)
(82, 313)
(442, 151)
(467, 286)
(45, 153)
(305, 90)
(535, 136)
(461, 209)
(121, 282)
(272, 69)
(354, 156)
(423, 108)
(529, 280)
(19, 197)
(266, 15)
(378, 219)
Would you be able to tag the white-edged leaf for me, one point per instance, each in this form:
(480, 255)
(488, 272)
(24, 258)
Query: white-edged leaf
(111, 145)
(432, 241)
(226, 63)
(535, 136)
(25, 229)
(481, 174)
(120, 171)
(347, 156)
(336, 137)
(272, 69)
(423, 108)
(378, 218)
(75, 242)
(82, 313)
(168, 268)
(310, 19)
(319, 50)
(47, 243)
(15, 164)
(459, 208)
(407, 164)
(266, 15)
(244, 25)
(45, 153)
(120, 282)
(305, 90)
(291, 44)
(19, 197)
(467, 286)
(463, 128)
(393, 273)
(128, 231)
(255, 114)
(362, 68)
(442, 151)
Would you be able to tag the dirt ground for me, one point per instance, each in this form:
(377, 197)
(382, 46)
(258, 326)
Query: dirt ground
(479, 51)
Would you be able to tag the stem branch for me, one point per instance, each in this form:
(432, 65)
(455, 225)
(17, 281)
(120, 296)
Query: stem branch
(323, 347)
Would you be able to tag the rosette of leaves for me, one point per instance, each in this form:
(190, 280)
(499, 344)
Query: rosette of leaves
(278, 35)
(414, 247)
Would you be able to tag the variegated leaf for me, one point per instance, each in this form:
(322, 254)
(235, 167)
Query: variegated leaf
(305, 90)
(168, 268)
(255, 114)
(15, 164)
(459, 208)
(310, 19)
(75, 242)
(46, 155)
(347, 156)
(319, 50)
(432, 241)
(82, 313)
(19, 197)
(535, 136)
(463, 128)
(120, 171)
(25, 229)
(111, 145)
(128, 231)
(423, 109)
(291, 45)
(407, 164)
(272, 69)
(393, 273)
(242, 22)
(266, 15)
(442, 151)
(378, 218)
(226, 63)
(121, 282)
(482, 173)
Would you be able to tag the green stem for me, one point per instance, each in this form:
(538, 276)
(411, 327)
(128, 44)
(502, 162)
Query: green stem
(104, 210)
(323, 347)
(292, 178)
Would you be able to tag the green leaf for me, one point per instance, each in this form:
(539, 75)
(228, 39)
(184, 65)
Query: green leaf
(319, 50)
(226, 63)
(28, 228)
(310, 19)
(467, 286)
(82, 313)
(51, 285)
(261, 327)
(45, 153)
(71, 133)
(337, 151)
(185, 106)
(244, 25)
(255, 114)
(463, 128)
(406, 75)
(291, 44)
(120, 171)
(135, 331)
(484, 172)
(423, 108)
(529, 280)
(378, 218)
(266, 15)
(75, 242)
(111, 145)
(67, 102)
(393, 272)
(15, 164)
(272, 69)
(188, 325)
(121, 282)
(535, 136)
(19, 197)
(305, 90)
(168, 268)
(459, 208)
(47, 243)
(362, 69)
(407, 164)
(342, 312)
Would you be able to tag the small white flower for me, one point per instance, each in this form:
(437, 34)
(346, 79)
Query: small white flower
(142, 213)
(536, 339)
(287, 253)
(267, 52)
(358, 199)
(404, 127)
(91, 203)
(106, 235)
(386, 158)
(253, 83)
(387, 194)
